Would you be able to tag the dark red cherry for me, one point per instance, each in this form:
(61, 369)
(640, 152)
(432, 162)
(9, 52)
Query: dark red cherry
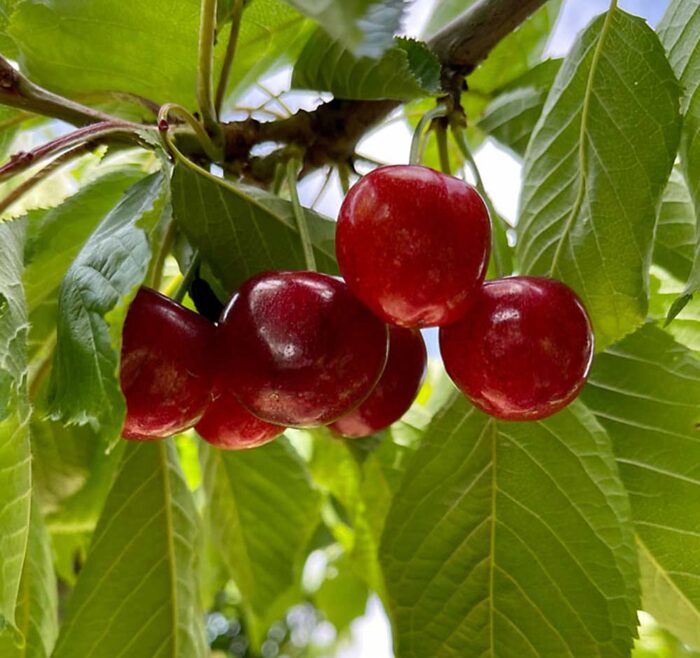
(523, 350)
(227, 424)
(166, 370)
(396, 389)
(298, 349)
(413, 244)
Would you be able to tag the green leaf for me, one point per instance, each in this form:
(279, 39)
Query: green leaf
(365, 27)
(511, 539)
(263, 512)
(674, 244)
(406, 71)
(136, 596)
(678, 31)
(103, 46)
(93, 299)
(15, 467)
(55, 235)
(512, 115)
(596, 168)
(241, 230)
(342, 597)
(645, 392)
(37, 608)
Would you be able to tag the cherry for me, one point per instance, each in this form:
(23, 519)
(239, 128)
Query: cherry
(413, 244)
(396, 389)
(523, 350)
(227, 424)
(298, 349)
(166, 368)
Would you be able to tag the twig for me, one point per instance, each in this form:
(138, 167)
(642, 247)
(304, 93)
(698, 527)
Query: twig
(17, 91)
(236, 13)
(95, 132)
(13, 196)
(206, 142)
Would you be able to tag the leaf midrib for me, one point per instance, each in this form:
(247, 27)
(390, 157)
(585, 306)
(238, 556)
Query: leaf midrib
(582, 153)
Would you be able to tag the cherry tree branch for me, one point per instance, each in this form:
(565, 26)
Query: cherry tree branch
(327, 135)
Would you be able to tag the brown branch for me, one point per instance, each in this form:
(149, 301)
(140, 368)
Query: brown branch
(466, 41)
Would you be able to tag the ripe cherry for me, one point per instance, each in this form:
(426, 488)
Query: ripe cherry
(298, 349)
(523, 350)
(166, 368)
(413, 244)
(227, 424)
(396, 390)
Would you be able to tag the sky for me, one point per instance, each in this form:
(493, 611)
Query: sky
(371, 637)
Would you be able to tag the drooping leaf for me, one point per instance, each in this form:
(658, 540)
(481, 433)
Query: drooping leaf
(93, 299)
(610, 125)
(55, 235)
(511, 539)
(365, 27)
(512, 115)
(240, 230)
(678, 32)
(137, 593)
(15, 475)
(674, 244)
(118, 51)
(405, 71)
(646, 391)
(263, 512)
(37, 607)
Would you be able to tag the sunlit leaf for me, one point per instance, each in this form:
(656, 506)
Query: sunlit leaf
(511, 539)
(645, 392)
(137, 593)
(589, 146)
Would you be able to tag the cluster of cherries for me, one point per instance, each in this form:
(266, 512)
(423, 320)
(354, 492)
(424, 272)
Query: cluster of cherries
(303, 349)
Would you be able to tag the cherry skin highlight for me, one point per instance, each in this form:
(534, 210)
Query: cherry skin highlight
(523, 350)
(227, 424)
(396, 390)
(298, 350)
(167, 368)
(413, 244)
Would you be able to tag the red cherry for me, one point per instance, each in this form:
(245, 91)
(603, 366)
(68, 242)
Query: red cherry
(523, 350)
(396, 390)
(226, 424)
(413, 244)
(166, 368)
(298, 349)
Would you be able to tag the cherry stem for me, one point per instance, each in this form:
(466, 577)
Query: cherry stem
(300, 215)
(417, 141)
(21, 161)
(443, 151)
(205, 75)
(164, 127)
(26, 185)
(187, 278)
(155, 276)
(500, 238)
(344, 177)
(236, 14)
